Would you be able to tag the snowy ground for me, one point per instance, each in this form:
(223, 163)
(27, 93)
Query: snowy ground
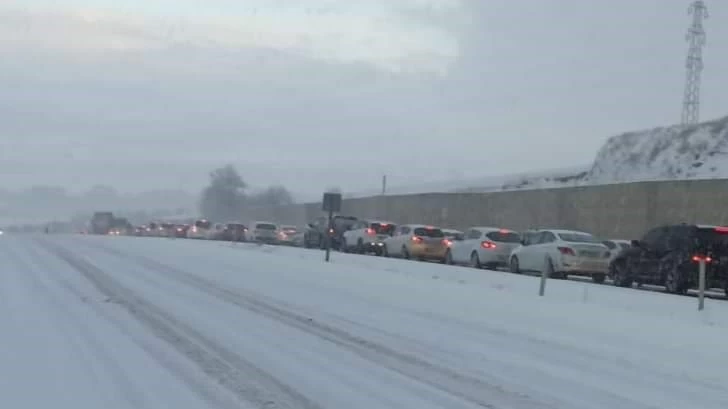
(119, 322)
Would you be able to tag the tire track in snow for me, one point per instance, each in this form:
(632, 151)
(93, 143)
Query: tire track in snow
(468, 388)
(242, 378)
(80, 334)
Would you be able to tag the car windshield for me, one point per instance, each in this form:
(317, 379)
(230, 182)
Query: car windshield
(578, 238)
(504, 236)
(625, 245)
(383, 228)
(428, 232)
(265, 226)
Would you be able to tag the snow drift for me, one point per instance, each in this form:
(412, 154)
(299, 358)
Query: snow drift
(669, 153)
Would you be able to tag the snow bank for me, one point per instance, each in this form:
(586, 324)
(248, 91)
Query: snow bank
(668, 153)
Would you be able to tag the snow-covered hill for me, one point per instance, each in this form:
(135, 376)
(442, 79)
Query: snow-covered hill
(669, 153)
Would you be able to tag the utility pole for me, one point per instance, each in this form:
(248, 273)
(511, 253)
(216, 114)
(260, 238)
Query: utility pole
(694, 63)
(384, 185)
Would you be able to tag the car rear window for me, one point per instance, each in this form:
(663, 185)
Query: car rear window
(203, 224)
(504, 236)
(710, 238)
(383, 228)
(265, 226)
(237, 226)
(578, 238)
(428, 232)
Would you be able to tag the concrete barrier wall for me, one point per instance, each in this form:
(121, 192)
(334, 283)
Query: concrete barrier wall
(617, 211)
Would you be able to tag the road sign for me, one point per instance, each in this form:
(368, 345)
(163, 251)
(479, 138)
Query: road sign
(332, 202)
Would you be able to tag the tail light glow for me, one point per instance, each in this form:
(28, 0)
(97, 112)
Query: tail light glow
(567, 251)
(487, 245)
(697, 258)
(417, 239)
(370, 232)
(447, 242)
(721, 229)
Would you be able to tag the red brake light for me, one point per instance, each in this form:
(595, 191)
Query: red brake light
(721, 229)
(697, 258)
(447, 242)
(567, 251)
(504, 231)
(416, 239)
(370, 232)
(487, 245)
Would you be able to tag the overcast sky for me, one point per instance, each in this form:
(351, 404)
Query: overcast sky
(146, 94)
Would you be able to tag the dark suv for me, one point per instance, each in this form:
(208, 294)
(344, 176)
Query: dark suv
(669, 256)
(315, 235)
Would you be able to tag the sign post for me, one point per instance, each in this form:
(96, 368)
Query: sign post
(331, 203)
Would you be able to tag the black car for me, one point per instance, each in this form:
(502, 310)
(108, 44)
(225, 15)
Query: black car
(670, 255)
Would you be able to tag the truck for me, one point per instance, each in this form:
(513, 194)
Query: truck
(101, 223)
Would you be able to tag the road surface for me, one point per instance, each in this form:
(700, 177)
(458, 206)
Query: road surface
(120, 322)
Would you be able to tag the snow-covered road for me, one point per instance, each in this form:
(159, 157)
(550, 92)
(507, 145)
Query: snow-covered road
(118, 322)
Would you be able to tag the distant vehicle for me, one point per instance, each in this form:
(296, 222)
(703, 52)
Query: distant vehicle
(315, 235)
(670, 256)
(263, 232)
(367, 236)
(216, 232)
(235, 232)
(101, 223)
(483, 247)
(199, 229)
(417, 241)
(289, 235)
(561, 253)
(180, 230)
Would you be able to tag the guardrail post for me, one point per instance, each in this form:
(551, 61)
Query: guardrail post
(542, 287)
(701, 284)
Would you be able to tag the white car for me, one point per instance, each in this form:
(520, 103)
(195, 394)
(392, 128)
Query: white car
(199, 229)
(216, 232)
(367, 236)
(263, 232)
(560, 253)
(290, 235)
(616, 246)
(488, 247)
(417, 241)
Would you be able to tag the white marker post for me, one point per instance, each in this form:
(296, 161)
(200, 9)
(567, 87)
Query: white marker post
(544, 276)
(701, 283)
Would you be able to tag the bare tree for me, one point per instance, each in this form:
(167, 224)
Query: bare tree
(224, 197)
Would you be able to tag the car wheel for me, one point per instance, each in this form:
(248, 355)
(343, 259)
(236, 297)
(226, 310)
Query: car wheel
(360, 246)
(475, 260)
(599, 278)
(448, 258)
(675, 282)
(405, 253)
(513, 265)
(619, 273)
